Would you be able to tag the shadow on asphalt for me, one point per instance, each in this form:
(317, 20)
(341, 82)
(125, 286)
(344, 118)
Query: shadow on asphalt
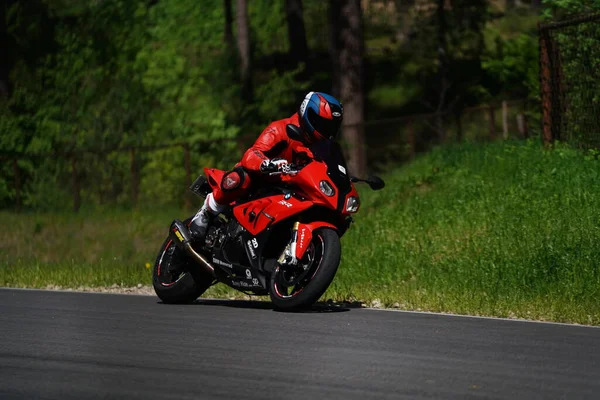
(320, 307)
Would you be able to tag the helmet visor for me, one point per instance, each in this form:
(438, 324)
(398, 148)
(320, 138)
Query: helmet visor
(329, 128)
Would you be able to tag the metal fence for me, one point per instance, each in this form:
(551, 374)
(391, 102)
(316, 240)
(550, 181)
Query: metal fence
(570, 80)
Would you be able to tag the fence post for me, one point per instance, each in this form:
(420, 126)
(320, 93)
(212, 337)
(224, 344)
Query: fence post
(411, 138)
(504, 120)
(76, 188)
(441, 131)
(492, 117)
(188, 175)
(459, 130)
(17, 176)
(135, 178)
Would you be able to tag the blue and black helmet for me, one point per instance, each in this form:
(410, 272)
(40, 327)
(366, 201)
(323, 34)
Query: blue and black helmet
(320, 116)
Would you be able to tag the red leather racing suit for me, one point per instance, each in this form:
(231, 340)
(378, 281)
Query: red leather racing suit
(273, 142)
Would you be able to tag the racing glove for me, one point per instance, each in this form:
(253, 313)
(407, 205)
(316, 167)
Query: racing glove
(275, 165)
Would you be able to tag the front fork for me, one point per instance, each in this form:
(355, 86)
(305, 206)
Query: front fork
(288, 256)
(302, 234)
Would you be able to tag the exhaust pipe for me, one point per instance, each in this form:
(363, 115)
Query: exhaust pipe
(180, 235)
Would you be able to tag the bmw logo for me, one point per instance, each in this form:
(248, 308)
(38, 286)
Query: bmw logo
(287, 196)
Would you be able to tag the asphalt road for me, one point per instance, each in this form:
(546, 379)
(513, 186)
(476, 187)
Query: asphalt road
(81, 346)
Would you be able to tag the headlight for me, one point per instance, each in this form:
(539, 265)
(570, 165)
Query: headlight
(326, 188)
(352, 204)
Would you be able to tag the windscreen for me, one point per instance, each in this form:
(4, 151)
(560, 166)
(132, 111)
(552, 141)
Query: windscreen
(331, 153)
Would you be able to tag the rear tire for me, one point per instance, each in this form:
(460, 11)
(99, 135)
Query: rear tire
(176, 278)
(305, 291)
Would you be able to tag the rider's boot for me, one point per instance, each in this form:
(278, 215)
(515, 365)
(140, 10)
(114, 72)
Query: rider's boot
(199, 225)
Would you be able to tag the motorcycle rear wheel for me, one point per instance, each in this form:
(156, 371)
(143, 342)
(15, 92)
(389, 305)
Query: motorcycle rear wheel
(176, 278)
(300, 287)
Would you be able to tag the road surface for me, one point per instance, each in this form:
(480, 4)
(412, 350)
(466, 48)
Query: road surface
(72, 345)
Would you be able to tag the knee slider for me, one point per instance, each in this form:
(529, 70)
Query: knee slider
(233, 180)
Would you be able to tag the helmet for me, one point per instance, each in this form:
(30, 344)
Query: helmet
(320, 116)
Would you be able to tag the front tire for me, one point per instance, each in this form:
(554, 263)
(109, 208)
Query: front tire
(303, 285)
(176, 278)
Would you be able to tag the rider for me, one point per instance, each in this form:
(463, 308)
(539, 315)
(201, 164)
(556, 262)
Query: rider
(319, 117)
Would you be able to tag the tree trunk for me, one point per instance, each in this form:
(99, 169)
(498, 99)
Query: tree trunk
(296, 32)
(334, 45)
(243, 44)
(228, 23)
(351, 50)
(443, 66)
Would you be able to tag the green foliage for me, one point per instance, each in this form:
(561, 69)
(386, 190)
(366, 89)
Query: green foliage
(268, 27)
(580, 74)
(123, 74)
(515, 65)
(115, 74)
(127, 73)
(560, 8)
(450, 44)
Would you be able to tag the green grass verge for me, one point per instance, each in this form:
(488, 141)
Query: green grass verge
(506, 229)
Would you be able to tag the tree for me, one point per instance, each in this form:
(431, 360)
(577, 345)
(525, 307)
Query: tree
(243, 44)
(348, 40)
(296, 31)
(228, 23)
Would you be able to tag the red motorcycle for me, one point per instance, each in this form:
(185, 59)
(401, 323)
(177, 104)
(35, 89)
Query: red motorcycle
(283, 240)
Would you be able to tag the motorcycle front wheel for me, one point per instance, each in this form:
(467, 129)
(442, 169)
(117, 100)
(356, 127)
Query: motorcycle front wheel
(302, 285)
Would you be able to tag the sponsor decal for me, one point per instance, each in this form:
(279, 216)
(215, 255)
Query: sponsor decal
(224, 264)
(178, 234)
(285, 203)
(245, 284)
(248, 274)
(231, 182)
(255, 243)
(251, 249)
(336, 114)
(302, 238)
(342, 169)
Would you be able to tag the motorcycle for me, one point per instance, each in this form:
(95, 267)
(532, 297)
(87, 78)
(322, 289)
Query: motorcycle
(282, 241)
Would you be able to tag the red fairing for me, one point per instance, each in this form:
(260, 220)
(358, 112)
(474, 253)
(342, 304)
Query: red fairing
(214, 176)
(305, 235)
(260, 214)
(308, 179)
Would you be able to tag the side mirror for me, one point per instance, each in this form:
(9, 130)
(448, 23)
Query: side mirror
(376, 183)
(294, 132)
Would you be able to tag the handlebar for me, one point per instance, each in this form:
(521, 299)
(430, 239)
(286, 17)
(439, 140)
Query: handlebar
(294, 169)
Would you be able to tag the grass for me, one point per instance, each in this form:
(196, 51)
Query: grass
(505, 229)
